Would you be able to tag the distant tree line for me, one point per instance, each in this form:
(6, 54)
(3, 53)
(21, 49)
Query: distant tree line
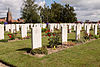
(57, 13)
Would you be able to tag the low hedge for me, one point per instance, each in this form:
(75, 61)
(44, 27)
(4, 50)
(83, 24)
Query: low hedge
(96, 36)
(42, 50)
(4, 40)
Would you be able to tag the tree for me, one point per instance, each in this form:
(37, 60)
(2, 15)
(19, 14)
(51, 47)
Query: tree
(68, 14)
(29, 12)
(58, 13)
(56, 10)
(45, 12)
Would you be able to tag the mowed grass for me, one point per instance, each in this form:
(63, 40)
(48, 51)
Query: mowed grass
(86, 55)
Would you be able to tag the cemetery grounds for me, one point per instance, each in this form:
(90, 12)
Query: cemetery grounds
(83, 55)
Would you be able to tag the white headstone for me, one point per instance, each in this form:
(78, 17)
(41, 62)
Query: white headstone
(24, 30)
(75, 27)
(93, 26)
(17, 27)
(95, 29)
(55, 25)
(51, 27)
(31, 25)
(44, 25)
(12, 27)
(80, 26)
(69, 27)
(58, 26)
(37, 25)
(36, 37)
(77, 31)
(85, 26)
(28, 28)
(7, 27)
(99, 26)
(88, 26)
(64, 34)
(61, 25)
(1, 31)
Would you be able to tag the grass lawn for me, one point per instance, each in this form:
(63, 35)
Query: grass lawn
(87, 55)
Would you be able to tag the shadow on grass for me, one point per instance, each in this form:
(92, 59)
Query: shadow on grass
(25, 49)
(7, 64)
(73, 40)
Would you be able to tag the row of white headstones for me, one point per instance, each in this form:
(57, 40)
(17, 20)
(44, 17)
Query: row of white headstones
(36, 30)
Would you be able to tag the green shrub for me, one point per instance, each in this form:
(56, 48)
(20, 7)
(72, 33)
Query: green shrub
(44, 29)
(55, 40)
(14, 22)
(88, 37)
(12, 37)
(96, 36)
(20, 38)
(42, 50)
(16, 33)
(82, 40)
(2, 22)
(4, 40)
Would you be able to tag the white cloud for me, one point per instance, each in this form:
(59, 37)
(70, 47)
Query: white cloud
(86, 9)
(15, 7)
(41, 3)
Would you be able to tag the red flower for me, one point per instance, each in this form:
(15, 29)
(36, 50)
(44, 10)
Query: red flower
(46, 31)
(9, 36)
(49, 35)
(53, 34)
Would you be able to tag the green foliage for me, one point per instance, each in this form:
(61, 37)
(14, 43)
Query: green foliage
(56, 10)
(1, 22)
(4, 40)
(15, 23)
(96, 36)
(68, 14)
(42, 50)
(29, 12)
(49, 34)
(44, 29)
(55, 40)
(88, 37)
(45, 13)
(12, 37)
(77, 56)
(20, 37)
(58, 13)
(81, 40)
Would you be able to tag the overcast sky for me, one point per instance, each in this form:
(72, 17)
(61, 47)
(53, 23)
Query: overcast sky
(85, 9)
